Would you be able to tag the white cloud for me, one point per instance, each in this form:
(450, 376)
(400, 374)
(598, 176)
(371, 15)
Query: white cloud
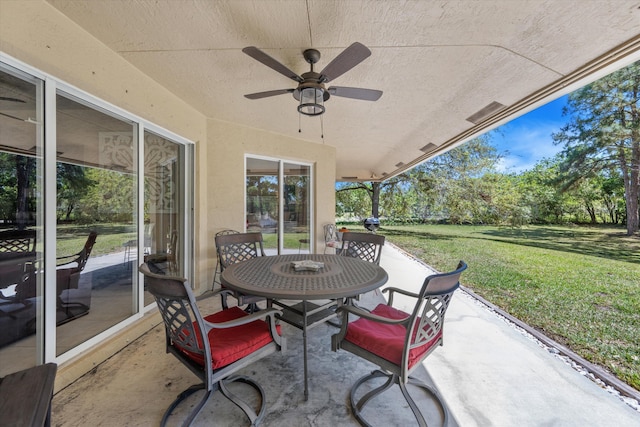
(525, 141)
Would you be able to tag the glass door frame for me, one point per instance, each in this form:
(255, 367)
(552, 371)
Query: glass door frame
(281, 182)
(49, 87)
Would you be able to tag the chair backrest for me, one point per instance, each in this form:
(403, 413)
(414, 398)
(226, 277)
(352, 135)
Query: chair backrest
(330, 232)
(22, 241)
(233, 248)
(224, 233)
(366, 246)
(181, 317)
(81, 257)
(427, 319)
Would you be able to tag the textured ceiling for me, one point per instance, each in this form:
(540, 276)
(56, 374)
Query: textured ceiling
(437, 62)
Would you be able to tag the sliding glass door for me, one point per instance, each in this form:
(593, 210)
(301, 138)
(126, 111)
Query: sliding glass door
(117, 192)
(278, 204)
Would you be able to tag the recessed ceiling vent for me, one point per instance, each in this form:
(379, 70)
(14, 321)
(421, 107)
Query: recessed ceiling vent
(429, 148)
(487, 111)
(349, 177)
(399, 165)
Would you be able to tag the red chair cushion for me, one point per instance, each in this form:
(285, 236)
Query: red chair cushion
(386, 341)
(231, 344)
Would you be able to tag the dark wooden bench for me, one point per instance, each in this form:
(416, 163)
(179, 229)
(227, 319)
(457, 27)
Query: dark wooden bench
(25, 396)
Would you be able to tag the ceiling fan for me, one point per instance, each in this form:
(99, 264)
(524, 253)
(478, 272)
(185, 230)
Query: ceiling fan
(311, 91)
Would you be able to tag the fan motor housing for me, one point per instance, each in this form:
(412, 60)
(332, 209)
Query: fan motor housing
(311, 80)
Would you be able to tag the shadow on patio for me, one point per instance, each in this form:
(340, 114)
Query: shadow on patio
(489, 373)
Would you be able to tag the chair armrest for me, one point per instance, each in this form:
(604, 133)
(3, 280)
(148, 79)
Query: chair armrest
(368, 315)
(391, 290)
(71, 259)
(219, 292)
(261, 315)
(268, 315)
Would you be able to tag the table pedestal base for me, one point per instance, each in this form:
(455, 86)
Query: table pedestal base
(305, 315)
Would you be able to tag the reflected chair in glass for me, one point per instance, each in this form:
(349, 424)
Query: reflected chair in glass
(397, 341)
(218, 270)
(234, 248)
(215, 360)
(331, 238)
(366, 246)
(18, 290)
(73, 302)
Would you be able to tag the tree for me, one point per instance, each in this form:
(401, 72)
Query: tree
(603, 133)
(73, 185)
(452, 181)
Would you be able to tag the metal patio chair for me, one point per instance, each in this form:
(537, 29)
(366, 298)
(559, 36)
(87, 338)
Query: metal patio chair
(218, 270)
(71, 302)
(366, 246)
(234, 248)
(235, 340)
(397, 341)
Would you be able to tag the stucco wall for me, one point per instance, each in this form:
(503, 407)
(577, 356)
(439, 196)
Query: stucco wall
(33, 32)
(38, 35)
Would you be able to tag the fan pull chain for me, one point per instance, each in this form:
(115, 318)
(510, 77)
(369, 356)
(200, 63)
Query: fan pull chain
(322, 128)
(299, 121)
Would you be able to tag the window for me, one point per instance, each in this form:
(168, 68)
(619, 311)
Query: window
(285, 222)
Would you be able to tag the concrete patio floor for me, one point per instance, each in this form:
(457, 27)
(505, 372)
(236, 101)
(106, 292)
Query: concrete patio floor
(489, 372)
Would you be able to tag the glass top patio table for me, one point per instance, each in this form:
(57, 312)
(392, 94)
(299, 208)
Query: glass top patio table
(275, 278)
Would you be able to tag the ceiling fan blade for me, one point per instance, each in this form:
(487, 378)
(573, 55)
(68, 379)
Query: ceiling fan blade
(355, 93)
(259, 95)
(260, 56)
(349, 58)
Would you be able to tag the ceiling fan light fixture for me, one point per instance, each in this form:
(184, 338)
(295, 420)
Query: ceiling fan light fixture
(311, 101)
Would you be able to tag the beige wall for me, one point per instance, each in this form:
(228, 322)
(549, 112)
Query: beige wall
(227, 145)
(33, 32)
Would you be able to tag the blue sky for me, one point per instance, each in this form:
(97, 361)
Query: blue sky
(527, 139)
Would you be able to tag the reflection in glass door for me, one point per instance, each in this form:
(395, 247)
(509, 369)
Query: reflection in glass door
(297, 215)
(163, 205)
(96, 220)
(285, 222)
(21, 220)
(262, 201)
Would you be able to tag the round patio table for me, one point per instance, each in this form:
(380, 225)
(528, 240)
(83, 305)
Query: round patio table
(275, 278)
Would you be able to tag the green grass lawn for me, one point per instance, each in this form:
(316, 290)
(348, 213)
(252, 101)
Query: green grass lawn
(578, 285)
(70, 239)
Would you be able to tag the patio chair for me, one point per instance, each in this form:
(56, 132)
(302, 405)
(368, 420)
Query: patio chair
(331, 238)
(17, 258)
(234, 248)
(71, 302)
(397, 341)
(366, 246)
(218, 270)
(235, 340)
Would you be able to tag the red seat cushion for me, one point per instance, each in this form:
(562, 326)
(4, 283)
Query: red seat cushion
(386, 341)
(231, 344)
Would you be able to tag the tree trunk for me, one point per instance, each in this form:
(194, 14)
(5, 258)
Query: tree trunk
(632, 185)
(375, 199)
(632, 205)
(24, 166)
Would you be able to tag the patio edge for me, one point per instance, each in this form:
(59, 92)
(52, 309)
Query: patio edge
(597, 371)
